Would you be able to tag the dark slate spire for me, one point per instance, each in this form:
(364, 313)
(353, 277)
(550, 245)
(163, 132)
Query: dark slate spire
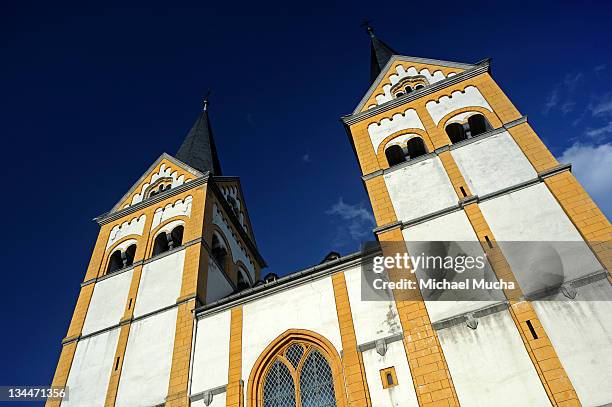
(198, 149)
(380, 54)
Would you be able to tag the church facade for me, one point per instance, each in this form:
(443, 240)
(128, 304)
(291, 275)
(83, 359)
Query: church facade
(174, 309)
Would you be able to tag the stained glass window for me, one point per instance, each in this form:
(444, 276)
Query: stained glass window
(294, 354)
(279, 388)
(316, 382)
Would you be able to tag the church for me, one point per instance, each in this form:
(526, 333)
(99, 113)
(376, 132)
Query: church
(175, 308)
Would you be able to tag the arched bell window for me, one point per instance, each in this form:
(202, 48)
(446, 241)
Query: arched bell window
(300, 376)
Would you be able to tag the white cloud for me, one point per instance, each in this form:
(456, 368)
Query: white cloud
(357, 221)
(592, 165)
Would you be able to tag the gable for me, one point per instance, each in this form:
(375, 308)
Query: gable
(232, 191)
(402, 71)
(165, 170)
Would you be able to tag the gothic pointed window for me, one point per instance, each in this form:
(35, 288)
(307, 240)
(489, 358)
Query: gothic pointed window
(300, 376)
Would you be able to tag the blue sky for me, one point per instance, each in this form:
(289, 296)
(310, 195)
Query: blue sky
(92, 95)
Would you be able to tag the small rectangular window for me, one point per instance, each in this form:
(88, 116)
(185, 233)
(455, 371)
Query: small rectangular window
(130, 304)
(388, 377)
(489, 243)
(463, 191)
(117, 364)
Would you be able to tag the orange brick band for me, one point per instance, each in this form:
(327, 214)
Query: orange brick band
(181, 356)
(354, 372)
(590, 221)
(235, 394)
(430, 374)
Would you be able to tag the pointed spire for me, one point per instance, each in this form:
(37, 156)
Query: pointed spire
(380, 53)
(198, 149)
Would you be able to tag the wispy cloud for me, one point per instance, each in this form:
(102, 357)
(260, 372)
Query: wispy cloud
(561, 96)
(551, 101)
(599, 133)
(599, 68)
(592, 165)
(356, 222)
(306, 158)
(602, 106)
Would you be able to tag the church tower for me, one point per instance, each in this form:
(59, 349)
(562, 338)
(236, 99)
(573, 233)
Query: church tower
(172, 310)
(445, 156)
(181, 237)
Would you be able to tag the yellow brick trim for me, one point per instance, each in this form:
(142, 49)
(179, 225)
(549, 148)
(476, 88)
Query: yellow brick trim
(355, 382)
(438, 137)
(586, 216)
(454, 174)
(530, 144)
(497, 99)
(113, 382)
(380, 200)
(430, 374)
(555, 381)
(181, 356)
(234, 393)
(63, 369)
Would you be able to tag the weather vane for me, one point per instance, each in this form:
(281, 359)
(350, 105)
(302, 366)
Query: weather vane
(205, 101)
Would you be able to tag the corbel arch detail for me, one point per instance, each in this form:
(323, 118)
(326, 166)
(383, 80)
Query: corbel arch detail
(489, 115)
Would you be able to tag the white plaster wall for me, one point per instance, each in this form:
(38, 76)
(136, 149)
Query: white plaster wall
(453, 227)
(490, 366)
(378, 131)
(179, 208)
(146, 368)
(533, 215)
(160, 283)
(581, 332)
(493, 163)
(134, 226)
(402, 395)
(107, 302)
(91, 369)
(211, 353)
(310, 306)
(373, 319)
(238, 253)
(217, 285)
(420, 189)
(470, 96)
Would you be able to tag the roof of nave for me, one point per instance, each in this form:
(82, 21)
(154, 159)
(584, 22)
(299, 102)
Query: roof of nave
(297, 278)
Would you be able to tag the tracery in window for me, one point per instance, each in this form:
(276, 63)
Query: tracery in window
(299, 376)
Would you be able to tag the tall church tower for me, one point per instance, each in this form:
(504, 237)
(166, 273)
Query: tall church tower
(445, 156)
(179, 238)
(172, 311)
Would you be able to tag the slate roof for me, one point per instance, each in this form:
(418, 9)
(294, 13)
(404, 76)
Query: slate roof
(380, 54)
(198, 149)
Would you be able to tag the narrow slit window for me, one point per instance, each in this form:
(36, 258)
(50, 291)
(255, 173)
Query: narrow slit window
(463, 191)
(532, 329)
(489, 243)
(117, 364)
